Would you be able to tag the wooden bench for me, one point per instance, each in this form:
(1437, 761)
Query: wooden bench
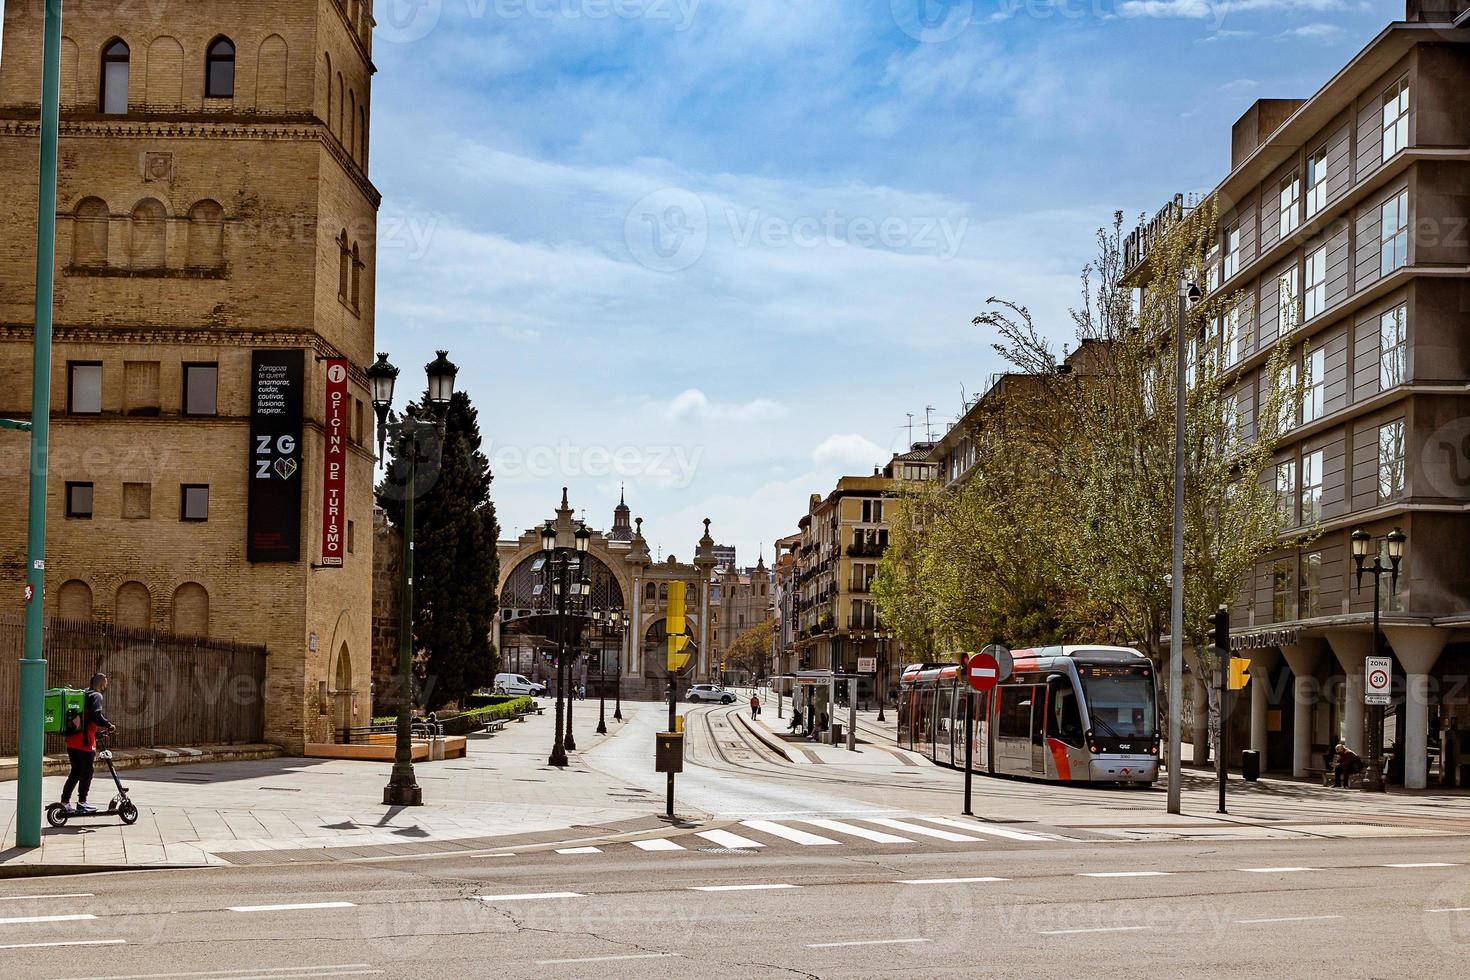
(495, 725)
(1356, 779)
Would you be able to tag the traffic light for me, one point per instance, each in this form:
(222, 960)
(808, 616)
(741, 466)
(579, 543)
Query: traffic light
(1239, 673)
(1220, 628)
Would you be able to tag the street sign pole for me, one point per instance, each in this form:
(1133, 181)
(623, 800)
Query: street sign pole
(32, 666)
(1220, 628)
(852, 714)
(969, 749)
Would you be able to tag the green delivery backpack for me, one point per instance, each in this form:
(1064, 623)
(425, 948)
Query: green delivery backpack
(65, 711)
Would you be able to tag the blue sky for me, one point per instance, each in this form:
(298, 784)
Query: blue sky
(717, 249)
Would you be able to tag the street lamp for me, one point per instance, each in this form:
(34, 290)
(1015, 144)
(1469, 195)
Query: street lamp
(884, 635)
(1362, 545)
(568, 595)
(403, 789)
(582, 588)
(617, 625)
(608, 621)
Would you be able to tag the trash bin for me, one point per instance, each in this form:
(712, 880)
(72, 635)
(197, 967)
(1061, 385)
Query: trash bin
(1250, 765)
(837, 733)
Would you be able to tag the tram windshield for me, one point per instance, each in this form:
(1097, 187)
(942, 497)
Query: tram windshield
(1120, 701)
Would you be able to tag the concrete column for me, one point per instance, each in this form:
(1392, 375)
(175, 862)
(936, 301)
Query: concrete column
(1261, 663)
(1302, 659)
(704, 651)
(1351, 648)
(1417, 648)
(637, 627)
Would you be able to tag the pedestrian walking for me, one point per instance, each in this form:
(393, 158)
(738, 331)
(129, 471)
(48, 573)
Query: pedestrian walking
(581, 692)
(81, 746)
(755, 705)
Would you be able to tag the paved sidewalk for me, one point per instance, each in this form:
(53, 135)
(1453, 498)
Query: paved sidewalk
(221, 812)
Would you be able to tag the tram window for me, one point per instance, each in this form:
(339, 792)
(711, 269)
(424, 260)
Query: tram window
(1015, 712)
(1066, 720)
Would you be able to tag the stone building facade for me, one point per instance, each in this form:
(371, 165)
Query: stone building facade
(624, 577)
(1342, 223)
(214, 206)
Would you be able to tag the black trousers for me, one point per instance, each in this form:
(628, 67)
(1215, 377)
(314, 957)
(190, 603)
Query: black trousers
(80, 778)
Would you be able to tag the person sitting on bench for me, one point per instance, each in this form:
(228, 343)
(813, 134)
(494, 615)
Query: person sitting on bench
(1345, 764)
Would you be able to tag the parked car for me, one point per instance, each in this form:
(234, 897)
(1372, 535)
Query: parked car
(518, 684)
(702, 693)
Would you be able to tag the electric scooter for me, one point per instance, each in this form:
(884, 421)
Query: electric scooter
(57, 814)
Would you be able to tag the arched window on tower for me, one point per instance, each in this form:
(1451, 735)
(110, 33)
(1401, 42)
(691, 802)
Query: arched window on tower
(344, 266)
(113, 91)
(650, 592)
(206, 246)
(148, 245)
(330, 103)
(89, 233)
(219, 69)
(356, 276)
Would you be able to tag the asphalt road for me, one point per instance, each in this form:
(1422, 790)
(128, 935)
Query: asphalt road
(813, 872)
(1035, 909)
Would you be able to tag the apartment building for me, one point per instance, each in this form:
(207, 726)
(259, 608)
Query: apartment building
(1343, 223)
(216, 256)
(843, 537)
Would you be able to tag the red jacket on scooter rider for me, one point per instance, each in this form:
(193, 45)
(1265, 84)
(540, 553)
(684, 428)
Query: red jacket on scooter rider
(93, 720)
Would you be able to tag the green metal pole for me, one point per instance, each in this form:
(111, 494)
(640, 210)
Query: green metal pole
(32, 667)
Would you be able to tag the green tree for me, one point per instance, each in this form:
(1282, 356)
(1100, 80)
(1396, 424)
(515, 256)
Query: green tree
(456, 568)
(751, 650)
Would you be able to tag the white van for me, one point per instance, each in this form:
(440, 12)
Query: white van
(518, 684)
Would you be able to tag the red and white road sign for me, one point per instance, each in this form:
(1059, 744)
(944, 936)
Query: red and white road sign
(983, 672)
(1378, 678)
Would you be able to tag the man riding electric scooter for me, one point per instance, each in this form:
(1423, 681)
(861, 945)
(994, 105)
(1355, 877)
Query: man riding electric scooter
(81, 748)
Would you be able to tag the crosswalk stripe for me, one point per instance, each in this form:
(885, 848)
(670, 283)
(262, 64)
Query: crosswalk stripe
(579, 850)
(1005, 832)
(914, 828)
(786, 833)
(657, 844)
(840, 827)
(726, 839)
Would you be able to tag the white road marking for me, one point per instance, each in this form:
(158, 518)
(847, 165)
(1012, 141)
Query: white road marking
(73, 942)
(579, 850)
(914, 828)
(606, 959)
(1423, 864)
(986, 829)
(1072, 932)
(945, 881)
(657, 844)
(25, 919)
(865, 942)
(737, 888)
(786, 833)
(1286, 918)
(294, 907)
(252, 970)
(1269, 871)
(837, 826)
(1125, 874)
(1465, 909)
(726, 839)
(528, 896)
(27, 898)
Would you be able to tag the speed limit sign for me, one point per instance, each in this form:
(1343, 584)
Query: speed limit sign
(1377, 680)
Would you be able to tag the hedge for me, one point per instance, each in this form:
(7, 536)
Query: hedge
(505, 706)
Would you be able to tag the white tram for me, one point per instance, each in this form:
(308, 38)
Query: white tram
(1066, 714)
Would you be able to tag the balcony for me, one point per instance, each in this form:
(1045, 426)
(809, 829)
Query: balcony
(866, 549)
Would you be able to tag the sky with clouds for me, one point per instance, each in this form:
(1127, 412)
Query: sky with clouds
(717, 250)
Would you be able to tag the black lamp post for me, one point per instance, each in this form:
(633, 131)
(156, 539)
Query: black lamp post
(403, 788)
(567, 594)
(884, 636)
(1362, 544)
(582, 588)
(607, 627)
(618, 624)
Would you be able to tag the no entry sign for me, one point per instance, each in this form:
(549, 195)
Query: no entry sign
(983, 672)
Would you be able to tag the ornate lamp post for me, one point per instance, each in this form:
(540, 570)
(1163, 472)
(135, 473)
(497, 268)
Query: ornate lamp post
(403, 788)
(567, 593)
(1362, 545)
(617, 623)
(884, 636)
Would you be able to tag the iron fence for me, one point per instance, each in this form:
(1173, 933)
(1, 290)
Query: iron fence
(163, 690)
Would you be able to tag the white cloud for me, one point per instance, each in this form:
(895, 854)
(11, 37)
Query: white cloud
(855, 454)
(693, 405)
(1313, 32)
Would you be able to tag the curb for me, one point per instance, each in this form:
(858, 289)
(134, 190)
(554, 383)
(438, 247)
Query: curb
(57, 765)
(15, 871)
(766, 738)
